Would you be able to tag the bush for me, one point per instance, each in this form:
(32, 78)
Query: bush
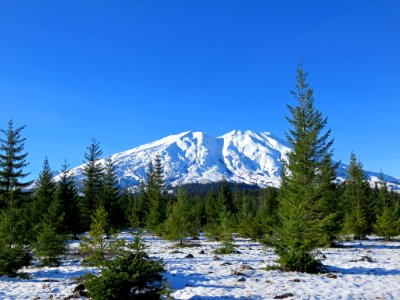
(301, 262)
(131, 275)
(49, 246)
(387, 224)
(97, 248)
(227, 248)
(13, 259)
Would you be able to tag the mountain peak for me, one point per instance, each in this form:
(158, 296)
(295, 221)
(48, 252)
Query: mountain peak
(196, 157)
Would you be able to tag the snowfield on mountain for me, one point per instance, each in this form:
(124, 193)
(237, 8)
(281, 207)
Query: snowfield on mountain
(195, 157)
(367, 269)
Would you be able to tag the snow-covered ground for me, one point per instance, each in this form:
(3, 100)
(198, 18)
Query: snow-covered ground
(359, 270)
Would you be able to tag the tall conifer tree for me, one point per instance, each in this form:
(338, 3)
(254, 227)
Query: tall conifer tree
(225, 197)
(139, 208)
(110, 194)
(180, 222)
(45, 193)
(154, 187)
(12, 164)
(68, 197)
(300, 212)
(357, 194)
(92, 183)
(49, 245)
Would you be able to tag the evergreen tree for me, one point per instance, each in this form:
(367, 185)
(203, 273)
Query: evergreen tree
(270, 202)
(92, 183)
(154, 188)
(50, 241)
(357, 196)
(45, 192)
(300, 227)
(131, 275)
(329, 206)
(266, 217)
(180, 222)
(388, 223)
(54, 216)
(97, 248)
(14, 252)
(139, 208)
(158, 174)
(387, 219)
(246, 219)
(12, 164)
(382, 195)
(199, 212)
(258, 214)
(68, 197)
(225, 197)
(50, 245)
(211, 208)
(110, 195)
(224, 231)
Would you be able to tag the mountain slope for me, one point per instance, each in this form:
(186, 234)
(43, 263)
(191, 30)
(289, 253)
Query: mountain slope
(195, 157)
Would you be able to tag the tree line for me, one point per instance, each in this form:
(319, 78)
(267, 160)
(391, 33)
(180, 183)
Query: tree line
(309, 210)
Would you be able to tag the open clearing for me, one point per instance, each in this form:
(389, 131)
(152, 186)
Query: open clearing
(359, 270)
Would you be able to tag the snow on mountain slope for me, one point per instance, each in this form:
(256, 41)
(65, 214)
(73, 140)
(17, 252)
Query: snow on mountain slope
(195, 157)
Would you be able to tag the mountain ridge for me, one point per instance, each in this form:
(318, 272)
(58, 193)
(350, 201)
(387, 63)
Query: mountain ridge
(195, 157)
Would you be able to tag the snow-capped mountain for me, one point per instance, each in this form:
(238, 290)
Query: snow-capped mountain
(195, 157)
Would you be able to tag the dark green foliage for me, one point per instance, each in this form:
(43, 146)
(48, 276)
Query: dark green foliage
(211, 208)
(382, 195)
(54, 216)
(387, 219)
(97, 248)
(225, 198)
(158, 174)
(47, 215)
(131, 275)
(156, 201)
(303, 179)
(13, 258)
(180, 223)
(12, 225)
(92, 183)
(198, 208)
(266, 217)
(204, 189)
(258, 213)
(245, 216)
(388, 223)
(223, 232)
(329, 206)
(12, 164)
(14, 253)
(44, 194)
(358, 201)
(49, 246)
(68, 199)
(296, 238)
(138, 208)
(270, 202)
(221, 216)
(109, 195)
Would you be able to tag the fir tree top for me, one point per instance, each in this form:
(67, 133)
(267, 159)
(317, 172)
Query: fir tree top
(12, 159)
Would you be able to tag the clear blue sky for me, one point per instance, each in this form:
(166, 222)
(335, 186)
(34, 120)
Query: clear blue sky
(130, 72)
